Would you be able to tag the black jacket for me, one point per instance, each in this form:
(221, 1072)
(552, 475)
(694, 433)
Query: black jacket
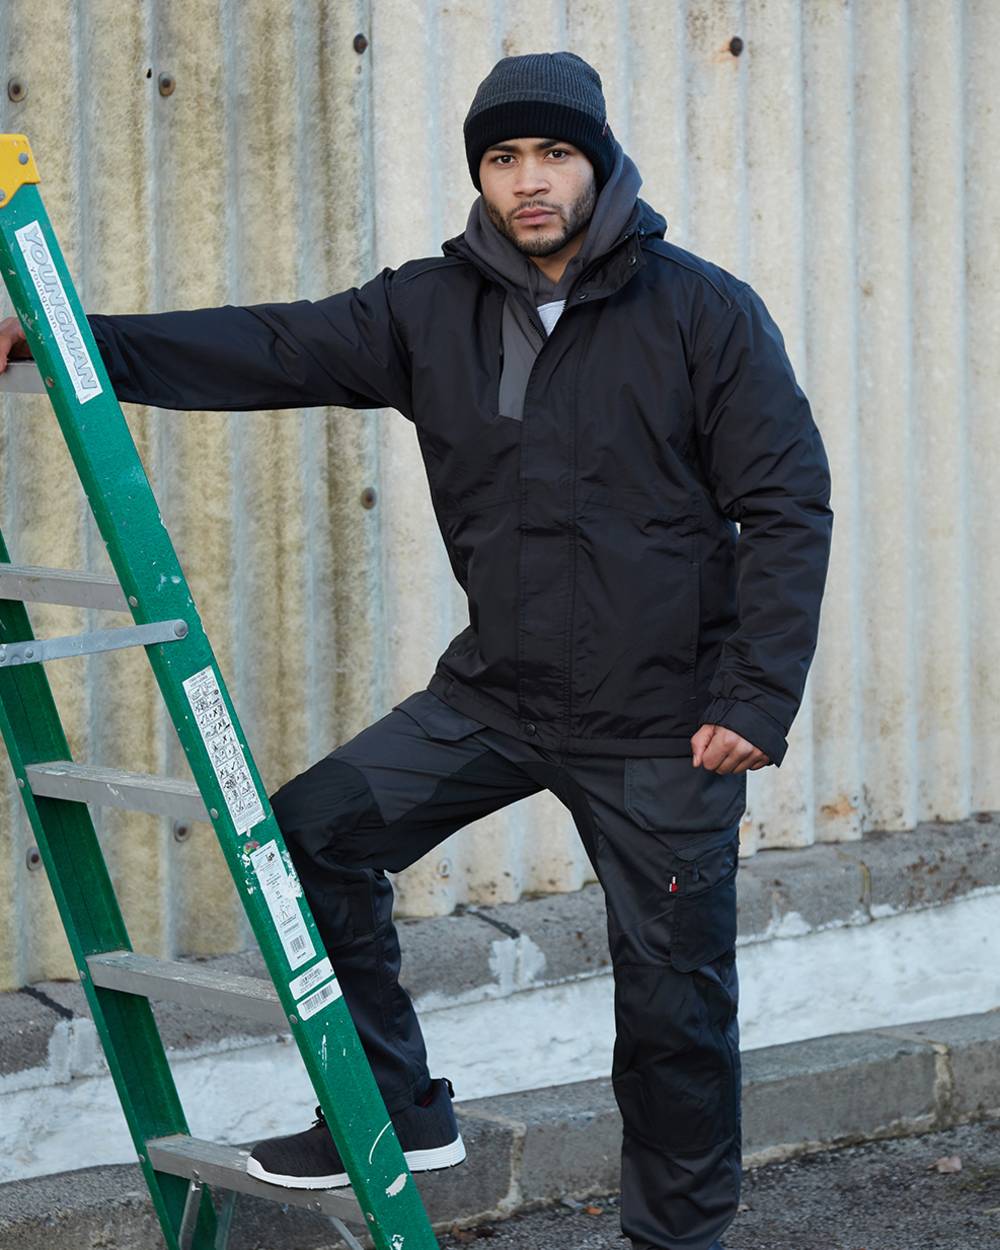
(613, 605)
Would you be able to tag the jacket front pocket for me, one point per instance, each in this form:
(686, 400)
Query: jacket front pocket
(635, 622)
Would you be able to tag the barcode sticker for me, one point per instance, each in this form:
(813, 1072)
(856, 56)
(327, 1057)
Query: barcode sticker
(224, 751)
(312, 977)
(282, 903)
(317, 1001)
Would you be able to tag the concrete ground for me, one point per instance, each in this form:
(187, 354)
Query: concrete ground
(547, 1146)
(884, 1195)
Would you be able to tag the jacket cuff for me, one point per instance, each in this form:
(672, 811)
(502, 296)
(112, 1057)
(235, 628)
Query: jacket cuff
(750, 722)
(113, 363)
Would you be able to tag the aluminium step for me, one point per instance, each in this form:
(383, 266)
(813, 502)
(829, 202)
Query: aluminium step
(211, 1163)
(31, 583)
(21, 377)
(230, 993)
(114, 787)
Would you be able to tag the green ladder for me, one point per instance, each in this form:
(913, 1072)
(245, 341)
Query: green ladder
(149, 584)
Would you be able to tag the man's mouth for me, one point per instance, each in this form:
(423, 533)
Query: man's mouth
(532, 216)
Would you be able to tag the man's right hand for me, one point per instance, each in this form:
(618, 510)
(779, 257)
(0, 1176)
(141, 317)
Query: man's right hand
(13, 344)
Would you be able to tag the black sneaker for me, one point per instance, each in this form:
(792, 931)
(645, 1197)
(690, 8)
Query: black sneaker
(427, 1132)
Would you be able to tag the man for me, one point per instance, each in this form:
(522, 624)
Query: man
(596, 409)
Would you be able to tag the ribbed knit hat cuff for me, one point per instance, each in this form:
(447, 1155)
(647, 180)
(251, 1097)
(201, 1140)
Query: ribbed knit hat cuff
(546, 120)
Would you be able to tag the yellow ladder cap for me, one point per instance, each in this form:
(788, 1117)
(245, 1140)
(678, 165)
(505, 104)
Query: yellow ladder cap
(17, 166)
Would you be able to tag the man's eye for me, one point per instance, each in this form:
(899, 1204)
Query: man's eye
(501, 157)
(558, 152)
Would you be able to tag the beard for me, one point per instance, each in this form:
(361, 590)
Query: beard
(574, 219)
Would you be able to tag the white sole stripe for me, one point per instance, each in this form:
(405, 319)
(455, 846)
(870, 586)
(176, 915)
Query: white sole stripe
(416, 1160)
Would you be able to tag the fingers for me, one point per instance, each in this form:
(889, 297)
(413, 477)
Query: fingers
(699, 742)
(724, 751)
(734, 761)
(13, 345)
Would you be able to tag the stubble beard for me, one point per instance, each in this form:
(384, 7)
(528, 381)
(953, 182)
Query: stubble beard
(574, 220)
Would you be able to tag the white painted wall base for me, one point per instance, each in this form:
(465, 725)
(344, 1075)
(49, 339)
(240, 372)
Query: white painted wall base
(795, 983)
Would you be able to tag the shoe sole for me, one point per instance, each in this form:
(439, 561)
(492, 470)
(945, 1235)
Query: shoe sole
(417, 1161)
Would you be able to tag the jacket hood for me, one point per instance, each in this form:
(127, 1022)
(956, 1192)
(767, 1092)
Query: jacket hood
(617, 212)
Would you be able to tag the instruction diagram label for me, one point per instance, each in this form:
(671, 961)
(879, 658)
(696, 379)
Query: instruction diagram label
(283, 905)
(58, 312)
(224, 750)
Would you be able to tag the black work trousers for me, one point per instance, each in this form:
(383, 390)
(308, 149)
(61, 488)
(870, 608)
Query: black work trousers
(663, 838)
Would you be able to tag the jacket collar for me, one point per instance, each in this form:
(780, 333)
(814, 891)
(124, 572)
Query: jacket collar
(604, 275)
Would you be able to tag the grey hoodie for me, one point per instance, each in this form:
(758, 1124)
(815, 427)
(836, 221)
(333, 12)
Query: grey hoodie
(614, 211)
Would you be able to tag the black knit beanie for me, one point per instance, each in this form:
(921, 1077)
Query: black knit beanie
(554, 95)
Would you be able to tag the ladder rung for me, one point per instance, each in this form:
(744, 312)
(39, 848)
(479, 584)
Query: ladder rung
(22, 377)
(111, 787)
(80, 590)
(191, 984)
(225, 1166)
(39, 650)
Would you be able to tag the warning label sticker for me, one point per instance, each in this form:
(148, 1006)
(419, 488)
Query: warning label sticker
(58, 312)
(312, 977)
(224, 750)
(283, 904)
(316, 1002)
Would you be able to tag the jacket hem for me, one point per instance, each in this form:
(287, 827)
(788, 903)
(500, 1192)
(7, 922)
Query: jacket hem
(493, 715)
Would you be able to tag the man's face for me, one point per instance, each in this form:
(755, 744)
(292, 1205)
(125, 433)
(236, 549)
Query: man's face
(539, 193)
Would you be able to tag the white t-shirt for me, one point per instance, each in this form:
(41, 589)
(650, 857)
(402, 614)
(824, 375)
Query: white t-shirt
(550, 312)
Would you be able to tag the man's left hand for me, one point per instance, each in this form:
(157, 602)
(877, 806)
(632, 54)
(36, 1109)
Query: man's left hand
(722, 750)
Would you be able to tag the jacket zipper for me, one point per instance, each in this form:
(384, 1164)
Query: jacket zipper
(582, 295)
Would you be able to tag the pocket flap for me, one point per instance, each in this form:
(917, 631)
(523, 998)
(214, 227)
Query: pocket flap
(436, 718)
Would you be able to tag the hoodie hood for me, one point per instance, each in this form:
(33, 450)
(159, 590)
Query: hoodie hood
(613, 213)
(617, 213)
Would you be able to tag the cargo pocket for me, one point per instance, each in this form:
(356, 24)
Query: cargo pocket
(668, 793)
(703, 926)
(438, 720)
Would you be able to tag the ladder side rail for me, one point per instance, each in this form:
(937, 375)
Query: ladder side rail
(202, 712)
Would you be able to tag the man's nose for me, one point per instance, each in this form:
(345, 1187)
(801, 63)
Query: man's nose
(530, 179)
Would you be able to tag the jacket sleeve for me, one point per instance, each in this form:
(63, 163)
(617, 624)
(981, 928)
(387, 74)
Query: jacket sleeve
(346, 350)
(768, 470)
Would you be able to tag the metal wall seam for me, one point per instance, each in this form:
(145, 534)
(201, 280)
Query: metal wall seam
(942, 762)
(832, 354)
(981, 370)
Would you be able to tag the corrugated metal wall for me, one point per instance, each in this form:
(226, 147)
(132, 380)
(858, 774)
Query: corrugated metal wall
(841, 159)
